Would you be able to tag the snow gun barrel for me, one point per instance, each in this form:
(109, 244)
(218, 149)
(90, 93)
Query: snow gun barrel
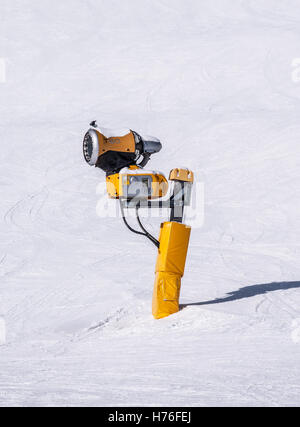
(101, 148)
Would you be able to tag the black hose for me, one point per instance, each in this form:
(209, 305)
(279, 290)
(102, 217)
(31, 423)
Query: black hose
(145, 232)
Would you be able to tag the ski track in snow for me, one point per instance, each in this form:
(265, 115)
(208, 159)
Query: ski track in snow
(213, 81)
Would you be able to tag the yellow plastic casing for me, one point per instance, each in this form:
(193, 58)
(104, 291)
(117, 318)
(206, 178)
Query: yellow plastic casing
(184, 175)
(113, 187)
(125, 144)
(116, 182)
(174, 242)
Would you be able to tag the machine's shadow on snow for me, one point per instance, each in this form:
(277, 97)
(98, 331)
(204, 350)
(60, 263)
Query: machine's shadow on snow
(248, 292)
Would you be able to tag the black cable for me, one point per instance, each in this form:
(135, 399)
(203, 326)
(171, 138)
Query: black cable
(150, 237)
(126, 223)
(146, 234)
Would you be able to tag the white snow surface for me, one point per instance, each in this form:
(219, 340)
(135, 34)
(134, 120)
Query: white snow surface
(214, 81)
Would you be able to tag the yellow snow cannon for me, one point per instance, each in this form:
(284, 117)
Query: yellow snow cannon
(123, 154)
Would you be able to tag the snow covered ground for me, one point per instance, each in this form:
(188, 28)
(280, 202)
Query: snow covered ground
(218, 82)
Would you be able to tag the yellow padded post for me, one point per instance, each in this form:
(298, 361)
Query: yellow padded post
(174, 242)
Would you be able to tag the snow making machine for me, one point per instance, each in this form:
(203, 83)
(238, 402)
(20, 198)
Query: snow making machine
(123, 155)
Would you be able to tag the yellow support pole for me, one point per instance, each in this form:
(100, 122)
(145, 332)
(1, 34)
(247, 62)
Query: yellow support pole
(174, 242)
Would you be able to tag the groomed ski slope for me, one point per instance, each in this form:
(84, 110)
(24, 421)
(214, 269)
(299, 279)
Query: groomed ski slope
(212, 79)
